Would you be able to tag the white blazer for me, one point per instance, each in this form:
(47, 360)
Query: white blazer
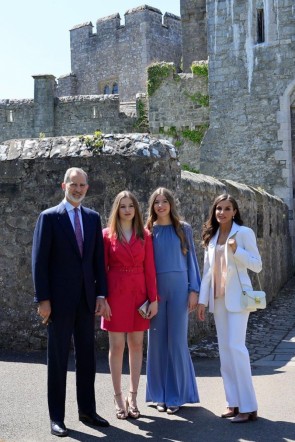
(246, 257)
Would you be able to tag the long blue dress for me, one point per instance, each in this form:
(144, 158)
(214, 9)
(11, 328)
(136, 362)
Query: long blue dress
(170, 372)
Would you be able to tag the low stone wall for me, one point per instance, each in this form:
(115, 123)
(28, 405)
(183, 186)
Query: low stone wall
(84, 114)
(266, 214)
(30, 175)
(68, 116)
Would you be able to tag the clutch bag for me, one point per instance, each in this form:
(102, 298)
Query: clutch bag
(143, 309)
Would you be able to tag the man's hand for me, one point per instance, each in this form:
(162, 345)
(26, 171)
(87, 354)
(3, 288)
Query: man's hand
(100, 307)
(107, 313)
(44, 310)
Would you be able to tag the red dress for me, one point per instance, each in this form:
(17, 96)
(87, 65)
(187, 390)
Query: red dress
(131, 280)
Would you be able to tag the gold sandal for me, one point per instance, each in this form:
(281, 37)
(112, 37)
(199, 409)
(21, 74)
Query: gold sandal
(132, 411)
(121, 412)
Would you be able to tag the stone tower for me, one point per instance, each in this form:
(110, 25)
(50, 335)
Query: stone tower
(251, 48)
(194, 31)
(115, 58)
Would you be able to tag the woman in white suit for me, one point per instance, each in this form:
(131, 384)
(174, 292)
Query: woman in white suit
(230, 248)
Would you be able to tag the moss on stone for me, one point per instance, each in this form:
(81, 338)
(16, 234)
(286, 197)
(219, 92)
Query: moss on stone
(157, 72)
(200, 68)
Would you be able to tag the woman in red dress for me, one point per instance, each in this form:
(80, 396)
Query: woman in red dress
(131, 280)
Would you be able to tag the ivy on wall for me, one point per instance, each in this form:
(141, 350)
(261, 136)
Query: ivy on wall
(157, 72)
(200, 68)
(198, 98)
(194, 135)
(142, 123)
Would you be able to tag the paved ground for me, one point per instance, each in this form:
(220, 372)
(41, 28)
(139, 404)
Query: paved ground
(271, 340)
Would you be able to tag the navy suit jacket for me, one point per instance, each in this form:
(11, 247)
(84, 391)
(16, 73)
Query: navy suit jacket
(60, 274)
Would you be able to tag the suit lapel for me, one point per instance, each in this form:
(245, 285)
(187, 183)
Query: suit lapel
(234, 230)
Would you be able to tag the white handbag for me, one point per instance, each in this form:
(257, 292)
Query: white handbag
(252, 300)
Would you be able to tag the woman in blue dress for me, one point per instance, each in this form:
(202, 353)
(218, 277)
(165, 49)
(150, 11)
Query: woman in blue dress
(171, 378)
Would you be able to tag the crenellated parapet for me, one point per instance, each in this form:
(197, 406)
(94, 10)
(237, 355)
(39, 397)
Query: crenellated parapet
(126, 50)
(108, 24)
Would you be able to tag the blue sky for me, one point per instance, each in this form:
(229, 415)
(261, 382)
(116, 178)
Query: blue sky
(35, 38)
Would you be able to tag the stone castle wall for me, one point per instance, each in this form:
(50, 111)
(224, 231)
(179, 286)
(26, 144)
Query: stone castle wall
(30, 175)
(76, 115)
(118, 55)
(250, 86)
(16, 119)
(194, 31)
(176, 104)
(173, 104)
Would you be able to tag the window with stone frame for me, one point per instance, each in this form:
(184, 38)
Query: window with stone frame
(106, 89)
(115, 89)
(10, 116)
(94, 112)
(260, 26)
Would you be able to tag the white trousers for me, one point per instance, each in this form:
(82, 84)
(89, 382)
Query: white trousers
(234, 357)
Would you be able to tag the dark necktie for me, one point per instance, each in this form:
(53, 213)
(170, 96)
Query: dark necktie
(78, 230)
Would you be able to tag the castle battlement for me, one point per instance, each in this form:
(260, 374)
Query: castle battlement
(134, 16)
(108, 24)
(126, 50)
(142, 8)
(82, 30)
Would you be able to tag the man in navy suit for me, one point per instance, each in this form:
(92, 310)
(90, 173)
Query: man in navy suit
(70, 287)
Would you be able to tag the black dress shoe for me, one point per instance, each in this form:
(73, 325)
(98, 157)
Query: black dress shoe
(93, 419)
(58, 428)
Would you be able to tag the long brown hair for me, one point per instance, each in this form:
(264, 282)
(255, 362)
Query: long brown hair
(211, 226)
(114, 225)
(174, 215)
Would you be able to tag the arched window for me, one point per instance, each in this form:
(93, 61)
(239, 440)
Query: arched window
(106, 89)
(115, 88)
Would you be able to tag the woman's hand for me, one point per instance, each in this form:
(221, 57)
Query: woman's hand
(201, 312)
(233, 244)
(192, 301)
(107, 312)
(152, 310)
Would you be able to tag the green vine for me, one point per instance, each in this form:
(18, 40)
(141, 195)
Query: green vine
(189, 169)
(200, 68)
(196, 135)
(93, 142)
(200, 99)
(142, 120)
(157, 72)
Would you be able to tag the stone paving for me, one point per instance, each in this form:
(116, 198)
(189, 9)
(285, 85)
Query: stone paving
(270, 333)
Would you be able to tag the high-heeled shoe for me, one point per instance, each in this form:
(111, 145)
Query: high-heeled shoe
(132, 410)
(121, 412)
(230, 412)
(245, 417)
